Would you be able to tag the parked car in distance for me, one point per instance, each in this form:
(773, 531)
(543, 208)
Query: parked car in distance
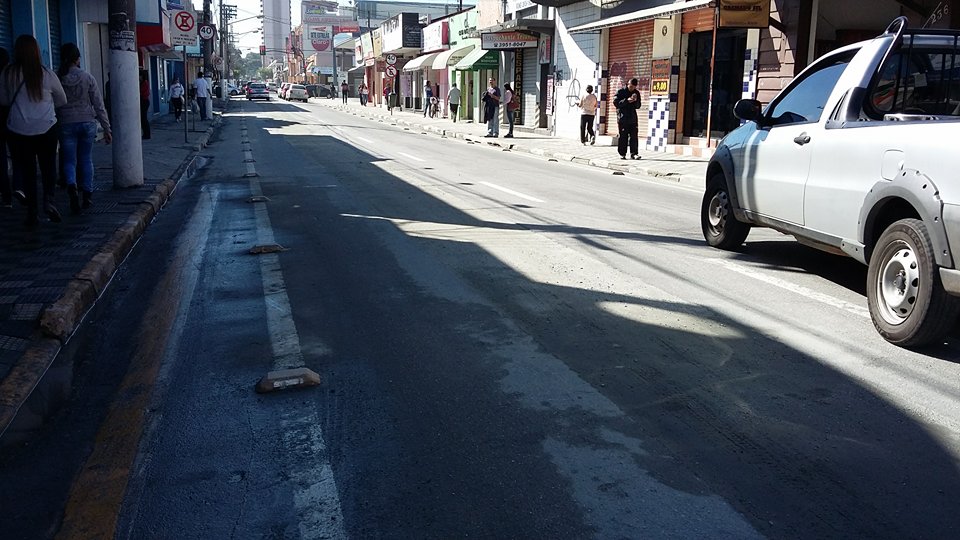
(297, 92)
(317, 90)
(856, 156)
(272, 86)
(257, 91)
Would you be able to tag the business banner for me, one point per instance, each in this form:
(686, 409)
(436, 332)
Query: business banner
(508, 40)
(745, 13)
(319, 37)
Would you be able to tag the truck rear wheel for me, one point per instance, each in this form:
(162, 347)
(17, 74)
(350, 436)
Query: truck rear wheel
(908, 303)
(720, 227)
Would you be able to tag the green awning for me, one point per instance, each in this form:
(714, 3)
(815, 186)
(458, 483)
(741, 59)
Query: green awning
(479, 59)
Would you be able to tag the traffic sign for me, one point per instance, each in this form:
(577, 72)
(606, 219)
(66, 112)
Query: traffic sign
(184, 28)
(391, 59)
(206, 31)
(391, 71)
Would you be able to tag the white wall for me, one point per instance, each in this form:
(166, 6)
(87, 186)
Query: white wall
(577, 56)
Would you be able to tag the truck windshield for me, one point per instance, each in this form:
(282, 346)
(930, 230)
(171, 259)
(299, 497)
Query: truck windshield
(918, 81)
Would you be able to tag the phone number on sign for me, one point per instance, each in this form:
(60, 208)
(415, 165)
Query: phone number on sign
(510, 45)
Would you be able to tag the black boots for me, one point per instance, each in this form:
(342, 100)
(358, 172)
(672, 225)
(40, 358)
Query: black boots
(87, 195)
(50, 209)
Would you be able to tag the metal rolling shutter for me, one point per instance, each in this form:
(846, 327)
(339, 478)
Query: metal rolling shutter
(6, 24)
(700, 20)
(53, 7)
(531, 92)
(630, 55)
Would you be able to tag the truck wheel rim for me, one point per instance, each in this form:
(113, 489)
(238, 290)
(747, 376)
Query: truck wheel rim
(717, 212)
(898, 286)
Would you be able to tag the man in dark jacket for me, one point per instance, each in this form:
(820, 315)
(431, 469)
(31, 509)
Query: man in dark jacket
(627, 102)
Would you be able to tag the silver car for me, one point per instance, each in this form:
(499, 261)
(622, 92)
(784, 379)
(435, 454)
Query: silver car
(297, 92)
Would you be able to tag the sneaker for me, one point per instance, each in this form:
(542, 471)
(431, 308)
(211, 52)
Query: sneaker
(623, 157)
(20, 196)
(635, 156)
(52, 212)
(508, 136)
(87, 202)
(593, 140)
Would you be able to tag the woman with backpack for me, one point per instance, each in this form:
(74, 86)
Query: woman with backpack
(78, 126)
(32, 93)
(511, 100)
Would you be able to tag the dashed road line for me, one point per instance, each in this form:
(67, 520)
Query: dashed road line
(512, 192)
(415, 158)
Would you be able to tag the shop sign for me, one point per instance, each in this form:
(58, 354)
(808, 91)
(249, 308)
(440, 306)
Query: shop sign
(543, 49)
(660, 77)
(357, 52)
(518, 87)
(315, 12)
(550, 86)
(744, 13)
(514, 6)
(401, 32)
(508, 40)
(436, 37)
(377, 42)
(320, 37)
(366, 42)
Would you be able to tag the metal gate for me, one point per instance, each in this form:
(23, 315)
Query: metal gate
(53, 10)
(531, 89)
(6, 25)
(630, 56)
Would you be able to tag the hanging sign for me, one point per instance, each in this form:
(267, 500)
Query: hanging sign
(744, 13)
(508, 40)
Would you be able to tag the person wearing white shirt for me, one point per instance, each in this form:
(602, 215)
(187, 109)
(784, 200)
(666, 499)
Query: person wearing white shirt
(203, 93)
(176, 97)
(453, 99)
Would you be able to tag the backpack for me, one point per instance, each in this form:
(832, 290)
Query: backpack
(514, 103)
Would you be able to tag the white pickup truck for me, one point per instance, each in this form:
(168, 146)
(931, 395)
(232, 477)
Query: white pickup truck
(860, 156)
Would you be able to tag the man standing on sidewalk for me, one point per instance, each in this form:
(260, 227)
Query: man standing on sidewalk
(203, 92)
(491, 109)
(344, 90)
(453, 99)
(627, 102)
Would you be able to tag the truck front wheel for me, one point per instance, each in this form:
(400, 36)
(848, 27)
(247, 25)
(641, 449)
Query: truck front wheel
(908, 304)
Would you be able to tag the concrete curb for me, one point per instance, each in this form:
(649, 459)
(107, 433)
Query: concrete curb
(628, 167)
(61, 319)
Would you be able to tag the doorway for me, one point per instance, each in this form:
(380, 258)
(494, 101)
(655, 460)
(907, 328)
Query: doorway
(727, 81)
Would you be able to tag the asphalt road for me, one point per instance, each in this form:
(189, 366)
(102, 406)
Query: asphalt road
(509, 348)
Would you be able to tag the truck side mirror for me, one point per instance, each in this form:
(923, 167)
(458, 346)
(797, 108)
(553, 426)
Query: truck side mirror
(748, 109)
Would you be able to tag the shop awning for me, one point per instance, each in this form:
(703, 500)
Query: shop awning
(422, 61)
(479, 59)
(354, 68)
(451, 57)
(641, 15)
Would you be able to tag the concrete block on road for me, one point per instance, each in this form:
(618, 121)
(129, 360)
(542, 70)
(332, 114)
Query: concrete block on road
(286, 379)
(60, 319)
(99, 270)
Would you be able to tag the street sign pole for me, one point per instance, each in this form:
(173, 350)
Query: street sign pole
(186, 94)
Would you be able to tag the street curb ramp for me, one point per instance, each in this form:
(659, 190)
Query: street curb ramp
(58, 321)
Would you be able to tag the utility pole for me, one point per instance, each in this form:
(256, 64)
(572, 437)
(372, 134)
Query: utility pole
(207, 44)
(125, 94)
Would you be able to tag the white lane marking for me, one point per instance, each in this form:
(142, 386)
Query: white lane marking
(315, 496)
(415, 158)
(368, 141)
(794, 288)
(512, 192)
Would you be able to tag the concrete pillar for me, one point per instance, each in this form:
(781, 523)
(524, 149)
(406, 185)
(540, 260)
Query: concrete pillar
(125, 95)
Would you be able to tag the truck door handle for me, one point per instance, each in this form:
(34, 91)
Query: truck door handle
(802, 139)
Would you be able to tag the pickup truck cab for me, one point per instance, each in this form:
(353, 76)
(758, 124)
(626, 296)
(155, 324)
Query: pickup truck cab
(857, 156)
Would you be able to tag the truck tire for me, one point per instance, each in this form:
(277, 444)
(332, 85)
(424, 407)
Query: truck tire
(908, 304)
(720, 227)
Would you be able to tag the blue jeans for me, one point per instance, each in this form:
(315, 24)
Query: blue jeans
(493, 125)
(76, 144)
(510, 116)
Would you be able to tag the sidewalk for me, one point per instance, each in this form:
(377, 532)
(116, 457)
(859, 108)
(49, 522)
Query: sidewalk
(685, 170)
(52, 275)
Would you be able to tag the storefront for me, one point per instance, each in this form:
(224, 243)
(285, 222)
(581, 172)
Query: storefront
(522, 66)
(476, 68)
(402, 37)
(464, 40)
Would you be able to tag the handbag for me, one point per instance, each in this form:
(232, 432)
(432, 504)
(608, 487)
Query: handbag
(5, 109)
(514, 103)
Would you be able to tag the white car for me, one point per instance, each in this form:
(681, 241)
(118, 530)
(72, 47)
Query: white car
(297, 92)
(857, 156)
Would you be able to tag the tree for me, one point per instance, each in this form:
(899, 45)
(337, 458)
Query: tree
(265, 73)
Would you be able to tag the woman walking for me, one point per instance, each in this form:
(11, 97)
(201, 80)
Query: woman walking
(78, 128)
(32, 93)
(176, 97)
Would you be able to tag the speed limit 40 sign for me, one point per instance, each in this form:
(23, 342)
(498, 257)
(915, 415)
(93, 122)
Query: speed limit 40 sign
(207, 31)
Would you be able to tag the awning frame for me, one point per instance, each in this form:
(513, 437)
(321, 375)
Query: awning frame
(664, 11)
(471, 58)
